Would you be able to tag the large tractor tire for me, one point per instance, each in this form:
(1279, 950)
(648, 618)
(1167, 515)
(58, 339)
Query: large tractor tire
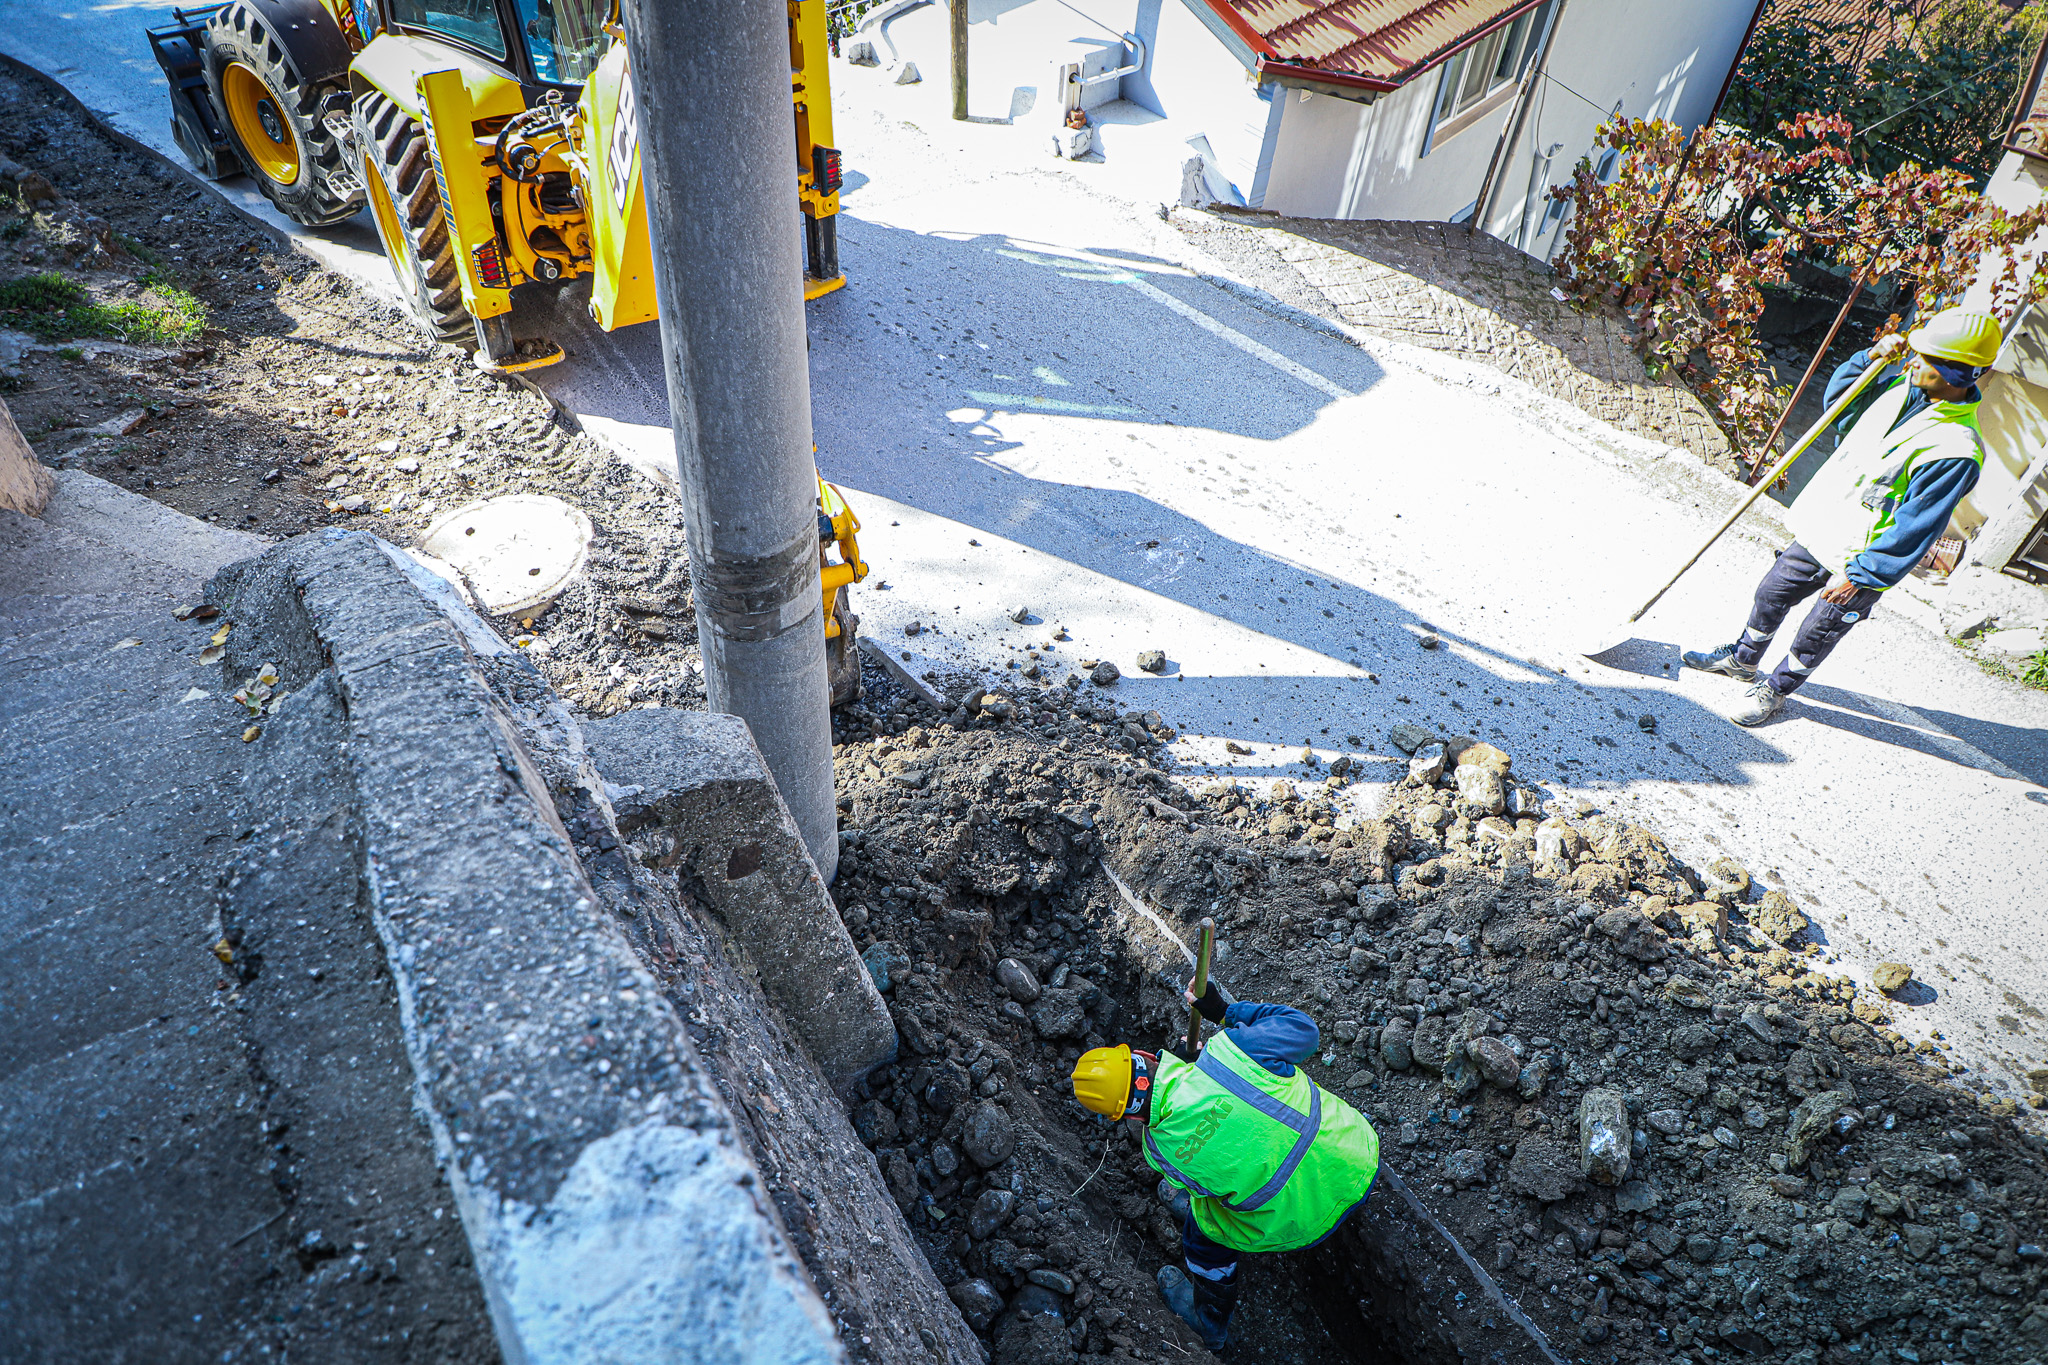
(281, 127)
(406, 202)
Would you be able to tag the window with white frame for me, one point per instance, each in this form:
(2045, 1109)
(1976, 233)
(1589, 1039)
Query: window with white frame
(1484, 69)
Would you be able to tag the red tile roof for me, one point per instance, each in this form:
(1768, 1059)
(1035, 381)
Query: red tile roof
(1371, 44)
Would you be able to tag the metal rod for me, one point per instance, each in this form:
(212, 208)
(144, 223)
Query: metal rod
(712, 87)
(1771, 441)
(958, 17)
(1201, 986)
(1827, 419)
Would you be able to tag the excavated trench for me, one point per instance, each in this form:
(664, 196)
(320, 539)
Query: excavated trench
(1051, 1251)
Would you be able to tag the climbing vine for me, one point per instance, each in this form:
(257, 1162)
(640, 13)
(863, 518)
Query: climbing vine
(1684, 241)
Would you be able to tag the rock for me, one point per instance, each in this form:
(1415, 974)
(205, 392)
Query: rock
(1557, 841)
(1432, 816)
(1152, 660)
(1480, 791)
(1020, 614)
(1810, 1123)
(1060, 1014)
(862, 53)
(1498, 1065)
(1542, 1169)
(1920, 1240)
(909, 74)
(1104, 674)
(1647, 723)
(408, 465)
(1777, 918)
(886, 963)
(1685, 992)
(1427, 765)
(1361, 963)
(1670, 1122)
(1397, 1044)
(1430, 1037)
(1051, 1279)
(1428, 641)
(1018, 979)
(1891, 977)
(1408, 737)
(914, 628)
(1727, 881)
(2016, 644)
(1465, 1167)
(990, 1213)
(945, 1092)
(987, 1138)
(1033, 1331)
(1604, 1136)
(1635, 1196)
(1633, 935)
(977, 1300)
(1476, 754)
(944, 1159)
(1534, 1077)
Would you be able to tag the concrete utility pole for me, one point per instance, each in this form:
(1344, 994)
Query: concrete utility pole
(957, 17)
(711, 83)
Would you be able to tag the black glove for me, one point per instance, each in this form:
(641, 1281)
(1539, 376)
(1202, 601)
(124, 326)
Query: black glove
(1181, 1050)
(1211, 1004)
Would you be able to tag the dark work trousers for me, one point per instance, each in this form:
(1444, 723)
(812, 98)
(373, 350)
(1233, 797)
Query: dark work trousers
(1218, 1263)
(1794, 577)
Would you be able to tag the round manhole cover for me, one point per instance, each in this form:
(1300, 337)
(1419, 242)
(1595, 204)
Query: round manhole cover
(516, 552)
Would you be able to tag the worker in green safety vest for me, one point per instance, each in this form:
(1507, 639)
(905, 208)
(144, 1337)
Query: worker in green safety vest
(1255, 1156)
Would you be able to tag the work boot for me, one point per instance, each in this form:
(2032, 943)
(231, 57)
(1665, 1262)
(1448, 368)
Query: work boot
(1758, 704)
(1202, 1304)
(1175, 1198)
(1721, 661)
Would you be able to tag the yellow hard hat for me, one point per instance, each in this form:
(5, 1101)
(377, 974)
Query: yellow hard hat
(1102, 1080)
(1961, 335)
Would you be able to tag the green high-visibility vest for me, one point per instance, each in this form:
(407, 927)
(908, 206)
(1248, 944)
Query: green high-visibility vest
(1851, 499)
(1270, 1162)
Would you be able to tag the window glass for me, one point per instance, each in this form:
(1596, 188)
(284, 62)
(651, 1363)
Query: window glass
(1497, 60)
(473, 23)
(566, 37)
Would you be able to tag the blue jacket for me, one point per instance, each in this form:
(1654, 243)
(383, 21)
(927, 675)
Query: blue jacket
(1931, 493)
(1277, 1037)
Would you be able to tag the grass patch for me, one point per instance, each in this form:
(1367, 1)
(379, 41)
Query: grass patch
(2031, 671)
(70, 353)
(55, 308)
(137, 249)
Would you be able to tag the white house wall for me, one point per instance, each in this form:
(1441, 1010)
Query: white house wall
(1663, 61)
(1202, 86)
(1335, 158)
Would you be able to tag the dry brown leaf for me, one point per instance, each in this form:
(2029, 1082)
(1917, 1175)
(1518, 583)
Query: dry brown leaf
(220, 637)
(211, 654)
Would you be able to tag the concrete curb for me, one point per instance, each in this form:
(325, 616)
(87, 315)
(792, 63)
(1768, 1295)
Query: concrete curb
(611, 1204)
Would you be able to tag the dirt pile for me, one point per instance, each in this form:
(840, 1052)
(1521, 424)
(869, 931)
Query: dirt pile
(298, 401)
(1614, 1078)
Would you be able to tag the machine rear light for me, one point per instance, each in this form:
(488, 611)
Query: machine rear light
(825, 173)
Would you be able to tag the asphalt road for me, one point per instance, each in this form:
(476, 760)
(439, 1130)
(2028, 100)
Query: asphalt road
(1025, 359)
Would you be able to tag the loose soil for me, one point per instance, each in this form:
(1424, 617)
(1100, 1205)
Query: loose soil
(1476, 977)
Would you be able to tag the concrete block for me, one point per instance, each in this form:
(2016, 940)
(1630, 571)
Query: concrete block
(606, 1189)
(693, 792)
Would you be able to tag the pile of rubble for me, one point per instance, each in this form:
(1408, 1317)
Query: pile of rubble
(1618, 1080)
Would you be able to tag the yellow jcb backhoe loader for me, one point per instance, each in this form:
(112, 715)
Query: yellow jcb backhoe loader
(496, 145)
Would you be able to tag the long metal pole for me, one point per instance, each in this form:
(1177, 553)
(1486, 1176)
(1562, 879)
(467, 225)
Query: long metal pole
(1511, 131)
(958, 21)
(711, 81)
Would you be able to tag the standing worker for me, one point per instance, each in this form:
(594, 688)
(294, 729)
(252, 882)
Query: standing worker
(1909, 451)
(1255, 1155)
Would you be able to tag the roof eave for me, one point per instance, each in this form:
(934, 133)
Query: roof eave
(1293, 73)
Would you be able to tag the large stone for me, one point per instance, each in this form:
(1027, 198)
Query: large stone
(1604, 1136)
(991, 1211)
(1498, 1065)
(1465, 752)
(1543, 1169)
(1557, 841)
(1060, 1013)
(1427, 765)
(1104, 674)
(1152, 660)
(1431, 1036)
(1808, 1127)
(886, 963)
(1465, 1167)
(1777, 918)
(1635, 1196)
(1727, 881)
(862, 53)
(1019, 980)
(1633, 935)
(1480, 791)
(1397, 1044)
(977, 1301)
(1891, 977)
(988, 1137)
(1408, 737)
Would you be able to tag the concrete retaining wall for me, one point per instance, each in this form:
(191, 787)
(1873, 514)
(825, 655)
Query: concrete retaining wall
(609, 1192)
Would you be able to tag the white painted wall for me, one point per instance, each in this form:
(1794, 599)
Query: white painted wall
(1338, 159)
(1665, 61)
(1197, 82)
